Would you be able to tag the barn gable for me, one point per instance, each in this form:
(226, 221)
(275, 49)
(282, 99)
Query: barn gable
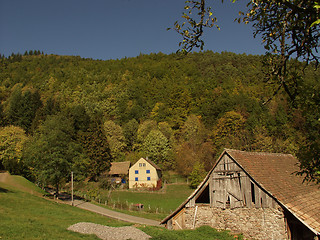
(253, 185)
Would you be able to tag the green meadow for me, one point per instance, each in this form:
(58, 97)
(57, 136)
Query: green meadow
(157, 204)
(25, 214)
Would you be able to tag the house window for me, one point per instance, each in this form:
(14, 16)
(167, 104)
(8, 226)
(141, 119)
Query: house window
(143, 164)
(136, 179)
(148, 178)
(136, 171)
(140, 164)
(148, 171)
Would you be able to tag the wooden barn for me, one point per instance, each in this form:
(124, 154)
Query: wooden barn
(119, 172)
(257, 194)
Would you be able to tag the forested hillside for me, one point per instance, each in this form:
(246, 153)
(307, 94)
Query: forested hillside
(63, 113)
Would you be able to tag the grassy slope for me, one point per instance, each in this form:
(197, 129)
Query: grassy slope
(25, 215)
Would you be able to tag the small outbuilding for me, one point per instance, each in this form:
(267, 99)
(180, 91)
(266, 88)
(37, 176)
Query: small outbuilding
(145, 174)
(257, 194)
(119, 172)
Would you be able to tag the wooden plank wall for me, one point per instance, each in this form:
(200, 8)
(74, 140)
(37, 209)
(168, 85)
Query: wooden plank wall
(231, 187)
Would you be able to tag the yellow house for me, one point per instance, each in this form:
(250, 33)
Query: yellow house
(144, 174)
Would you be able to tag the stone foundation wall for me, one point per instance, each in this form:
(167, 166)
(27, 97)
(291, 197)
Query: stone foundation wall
(254, 223)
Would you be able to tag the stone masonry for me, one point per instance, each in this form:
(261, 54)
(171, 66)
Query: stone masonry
(254, 223)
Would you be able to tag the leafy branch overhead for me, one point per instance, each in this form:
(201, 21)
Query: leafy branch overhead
(294, 20)
(289, 29)
(196, 17)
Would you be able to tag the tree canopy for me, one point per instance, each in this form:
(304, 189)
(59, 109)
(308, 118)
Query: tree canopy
(175, 110)
(290, 30)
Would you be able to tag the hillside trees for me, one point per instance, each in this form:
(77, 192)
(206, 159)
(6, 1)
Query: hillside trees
(115, 138)
(289, 30)
(186, 102)
(156, 146)
(130, 132)
(95, 146)
(52, 152)
(23, 107)
(12, 140)
(193, 147)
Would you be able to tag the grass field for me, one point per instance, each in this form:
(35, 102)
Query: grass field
(27, 216)
(24, 214)
(166, 201)
(157, 204)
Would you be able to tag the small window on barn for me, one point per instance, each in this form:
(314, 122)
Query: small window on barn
(136, 179)
(140, 164)
(204, 197)
(136, 171)
(253, 195)
(147, 171)
(148, 178)
(228, 202)
(143, 164)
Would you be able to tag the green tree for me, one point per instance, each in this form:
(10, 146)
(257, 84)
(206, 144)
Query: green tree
(228, 130)
(52, 152)
(12, 140)
(2, 117)
(194, 146)
(156, 147)
(193, 130)
(115, 138)
(144, 129)
(96, 147)
(23, 107)
(197, 175)
(166, 130)
(130, 132)
(81, 119)
(309, 153)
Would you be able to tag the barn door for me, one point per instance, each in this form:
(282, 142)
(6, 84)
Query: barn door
(227, 190)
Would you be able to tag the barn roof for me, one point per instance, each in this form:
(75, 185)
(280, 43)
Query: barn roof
(275, 173)
(119, 168)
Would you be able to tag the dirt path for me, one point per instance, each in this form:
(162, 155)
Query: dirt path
(113, 214)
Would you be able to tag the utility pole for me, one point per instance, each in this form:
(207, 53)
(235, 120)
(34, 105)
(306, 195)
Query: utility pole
(72, 188)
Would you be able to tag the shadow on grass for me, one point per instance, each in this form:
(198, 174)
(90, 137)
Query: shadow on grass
(3, 190)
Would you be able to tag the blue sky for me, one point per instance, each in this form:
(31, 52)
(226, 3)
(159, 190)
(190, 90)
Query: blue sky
(112, 29)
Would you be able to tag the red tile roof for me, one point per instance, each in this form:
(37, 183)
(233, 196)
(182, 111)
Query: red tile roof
(276, 173)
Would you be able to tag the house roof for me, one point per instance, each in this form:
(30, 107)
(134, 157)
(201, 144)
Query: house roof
(275, 173)
(150, 162)
(119, 168)
(153, 164)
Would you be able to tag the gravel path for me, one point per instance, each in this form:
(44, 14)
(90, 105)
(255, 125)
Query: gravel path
(109, 233)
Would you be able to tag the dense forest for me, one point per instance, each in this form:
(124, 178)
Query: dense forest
(65, 113)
